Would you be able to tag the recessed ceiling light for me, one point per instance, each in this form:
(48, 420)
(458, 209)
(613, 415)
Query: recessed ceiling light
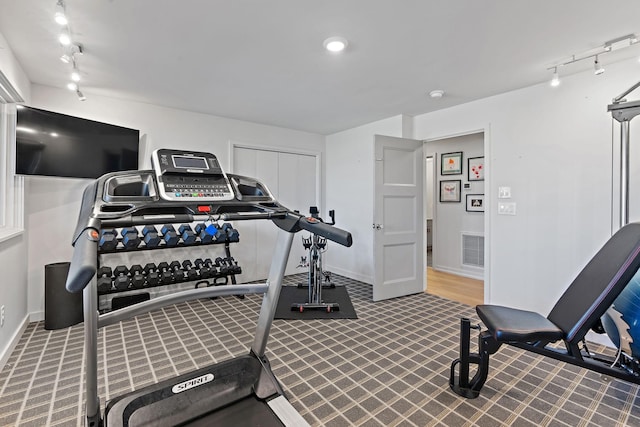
(72, 86)
(335, 44)
(436, 94)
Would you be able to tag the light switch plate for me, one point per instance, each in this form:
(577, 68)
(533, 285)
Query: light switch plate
(506, 208)
(504, 192)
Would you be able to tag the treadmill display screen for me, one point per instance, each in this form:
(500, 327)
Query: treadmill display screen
(188, 162)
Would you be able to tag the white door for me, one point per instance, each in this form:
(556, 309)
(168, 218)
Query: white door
(398, 218)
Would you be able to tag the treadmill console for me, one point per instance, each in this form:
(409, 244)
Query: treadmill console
(190, 174)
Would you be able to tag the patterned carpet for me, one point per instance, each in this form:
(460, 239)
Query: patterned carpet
(389, 367)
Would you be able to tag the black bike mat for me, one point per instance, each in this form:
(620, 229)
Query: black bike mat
(292, 294)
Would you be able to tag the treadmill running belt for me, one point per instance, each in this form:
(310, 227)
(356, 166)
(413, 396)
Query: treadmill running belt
(249, 411)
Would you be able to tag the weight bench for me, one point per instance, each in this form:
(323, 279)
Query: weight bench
(579, 309)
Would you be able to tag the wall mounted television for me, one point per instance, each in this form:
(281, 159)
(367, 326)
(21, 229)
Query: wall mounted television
(54, 144)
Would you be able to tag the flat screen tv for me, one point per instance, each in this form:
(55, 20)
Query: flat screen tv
(54, 144)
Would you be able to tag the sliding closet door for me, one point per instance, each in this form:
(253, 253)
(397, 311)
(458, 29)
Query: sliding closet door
(293, 180)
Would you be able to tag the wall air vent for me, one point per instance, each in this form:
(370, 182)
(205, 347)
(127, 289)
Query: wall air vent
(473, 250)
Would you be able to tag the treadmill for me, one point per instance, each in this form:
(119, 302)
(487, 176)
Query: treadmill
(183, 187)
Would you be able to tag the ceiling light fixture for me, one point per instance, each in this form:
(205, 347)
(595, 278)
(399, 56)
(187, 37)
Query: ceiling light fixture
(75, 74)
(335, 44)
(436, 94)
(64, 38)
(606, 47)
(597, 67)
(60, 16)
(70, 50)
(555, 80)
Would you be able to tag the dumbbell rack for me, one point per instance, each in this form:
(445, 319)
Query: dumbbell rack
(142, 279)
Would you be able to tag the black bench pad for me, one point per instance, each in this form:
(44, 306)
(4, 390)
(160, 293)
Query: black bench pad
(513, 325)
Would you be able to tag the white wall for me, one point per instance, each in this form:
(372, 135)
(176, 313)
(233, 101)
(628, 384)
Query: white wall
(451, 219)
(52, 205)
(349, 178)
(13, 252)
(553, 147)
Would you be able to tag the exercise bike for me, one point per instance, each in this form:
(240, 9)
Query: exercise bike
(317, 278)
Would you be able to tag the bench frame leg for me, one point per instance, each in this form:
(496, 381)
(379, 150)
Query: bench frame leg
(487, 345)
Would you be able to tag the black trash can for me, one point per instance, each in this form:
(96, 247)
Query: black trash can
(61, 308)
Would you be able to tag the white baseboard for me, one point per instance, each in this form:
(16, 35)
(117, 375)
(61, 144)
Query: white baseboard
(463, 273)
(36, 316)
(13, 342)
(350, 274)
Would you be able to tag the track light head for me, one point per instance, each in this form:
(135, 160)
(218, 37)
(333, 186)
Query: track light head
(60, 15)
(64, 38)
(597, 67)
(555, 80)
(81, 96)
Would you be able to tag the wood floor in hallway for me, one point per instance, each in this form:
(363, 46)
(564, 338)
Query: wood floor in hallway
(457, 288)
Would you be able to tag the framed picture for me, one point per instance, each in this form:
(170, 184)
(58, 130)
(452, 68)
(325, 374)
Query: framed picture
(475, 202)
(451, 163)
(475, 169)
(450, 191)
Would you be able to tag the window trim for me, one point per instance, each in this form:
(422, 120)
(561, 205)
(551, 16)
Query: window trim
(11, 185)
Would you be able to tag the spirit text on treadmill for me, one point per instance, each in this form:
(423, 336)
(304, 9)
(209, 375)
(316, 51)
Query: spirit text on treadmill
(194, 382)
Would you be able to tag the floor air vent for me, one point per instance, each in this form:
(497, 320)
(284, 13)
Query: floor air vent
(473, 250)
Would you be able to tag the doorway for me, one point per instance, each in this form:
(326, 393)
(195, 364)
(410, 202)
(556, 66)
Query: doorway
(455, 218)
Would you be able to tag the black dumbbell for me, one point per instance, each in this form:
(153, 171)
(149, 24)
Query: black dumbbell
(178, 274)
(165, 273)
(191, 273)
(104, 279)
(108, 239)
(213, 270)
(221, 263)
(234, 268)
(130, 238)
(169, 235)
(201, 231)
(232, 234)
(150, 236)
(205, 272)
(137, 278)
(187, 234)
(151, 271)
(121, 279)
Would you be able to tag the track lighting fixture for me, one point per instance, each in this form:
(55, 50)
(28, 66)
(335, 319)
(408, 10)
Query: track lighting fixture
(555, 80)
(75, 74)
(597, 67)
(70, 53)
(60, 16)
(70, 50)
(608, 46)
(64, 38)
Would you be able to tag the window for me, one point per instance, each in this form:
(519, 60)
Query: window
(11, 186)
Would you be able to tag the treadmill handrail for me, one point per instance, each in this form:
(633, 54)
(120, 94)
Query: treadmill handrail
(84, 261)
